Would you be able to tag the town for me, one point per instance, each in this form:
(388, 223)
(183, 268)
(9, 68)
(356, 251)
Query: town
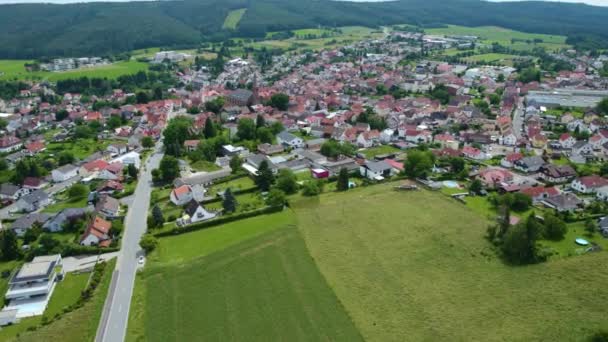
(519, 143)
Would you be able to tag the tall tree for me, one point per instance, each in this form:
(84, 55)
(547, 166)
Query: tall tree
(265, 177)
(246, 129)
(260, 121)
(236, 163)
(210, 130)
(8, 244)
(229, 203)
(342, 184)
(287, 181)
(157, 216)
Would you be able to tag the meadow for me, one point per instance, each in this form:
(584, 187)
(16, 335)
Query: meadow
(237, 286)
(233, 18)
(506, 37)
(415, 266)
(15, 69)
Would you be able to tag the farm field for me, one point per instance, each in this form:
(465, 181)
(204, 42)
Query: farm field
(14, 69)
(493, 57)
(255, 288)
(347, 35)
(416, 264)
(233, 18)
(490, 34)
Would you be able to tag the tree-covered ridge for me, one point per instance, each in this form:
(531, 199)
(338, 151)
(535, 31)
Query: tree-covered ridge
(35, 30)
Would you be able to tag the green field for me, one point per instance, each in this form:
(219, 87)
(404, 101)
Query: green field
(416, 265)
(250, 281)
(14, 69)
(348, 35)
(390, 266)
(233, 18)
(491, 34)
(493, 57)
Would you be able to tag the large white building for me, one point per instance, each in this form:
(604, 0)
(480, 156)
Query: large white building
(30, 289)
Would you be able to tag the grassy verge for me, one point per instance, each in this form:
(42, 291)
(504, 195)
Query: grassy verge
(233, 18)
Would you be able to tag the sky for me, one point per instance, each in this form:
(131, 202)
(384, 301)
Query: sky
(590, 2)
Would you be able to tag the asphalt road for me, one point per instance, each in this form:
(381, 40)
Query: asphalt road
(116, 311)
(518, 120)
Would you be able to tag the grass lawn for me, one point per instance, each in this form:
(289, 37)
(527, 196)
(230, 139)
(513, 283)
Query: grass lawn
(245, 202)
(416, 264)
(493, 57)
(14, 69)
(371, 152)
(203, 165)
(233, 18)
(265, 288)
(567, 246)
(235, 184)
(60, 205)
(490, 34)
(81, 148)
(80, 324)
(65, 294)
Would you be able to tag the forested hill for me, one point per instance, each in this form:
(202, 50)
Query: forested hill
(35, 30)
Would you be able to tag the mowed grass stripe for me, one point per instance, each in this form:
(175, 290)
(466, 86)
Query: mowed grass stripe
(411, 266)
(266, 288)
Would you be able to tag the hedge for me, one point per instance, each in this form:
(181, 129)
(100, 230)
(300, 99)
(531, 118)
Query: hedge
(235, 192)
(218, 221)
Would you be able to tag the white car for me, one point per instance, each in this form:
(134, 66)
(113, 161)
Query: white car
(141, 260)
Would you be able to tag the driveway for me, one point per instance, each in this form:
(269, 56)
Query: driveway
(83, 262)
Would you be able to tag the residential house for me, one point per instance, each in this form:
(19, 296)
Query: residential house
(33, 183)
(183, 194)
(557, 173)
(129, 158)
(92, 168)
(111, 172)
(508, 139)
(57, 223)
(315, 144)
(11, 192)
(9, 144)
(588, 184)
(540, 193)
(529, 164)
(191, 145)
(230, 150)
(108, 207)
(566, 141)
(33, 201)
(493, 177)
(376, 170)
(473, 153)
(289, 140)
(268, 149)
(387, 136)
(25, 222)
(194, 212)
(582, 148)
(110, 187)
(510, 159)
(30, 289)
(368, 139)
(563, 202)
(64, 173)
(417, 137)
(97, 233)
(117, 149)
(602, 193)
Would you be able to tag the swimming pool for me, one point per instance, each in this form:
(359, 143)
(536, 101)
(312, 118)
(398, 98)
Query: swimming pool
(451, 184)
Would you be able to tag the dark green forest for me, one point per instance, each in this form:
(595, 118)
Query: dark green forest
(37, 30)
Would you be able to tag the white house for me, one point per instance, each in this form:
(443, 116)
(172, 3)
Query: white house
(387, 136)
(566, 141)
(509, 139)
(131, 158)
(64, 173)
(289, 140)
(186, 193)
(588, 184)
(602, 193)
(194, 212)
(30, 289)
(117, 149)
(376, 170)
